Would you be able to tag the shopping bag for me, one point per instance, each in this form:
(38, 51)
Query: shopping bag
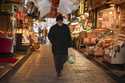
(71, 56)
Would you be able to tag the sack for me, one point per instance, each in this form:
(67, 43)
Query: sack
(71, 56)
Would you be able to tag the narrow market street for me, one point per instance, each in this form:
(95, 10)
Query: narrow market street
(39, 68)
(94, 30)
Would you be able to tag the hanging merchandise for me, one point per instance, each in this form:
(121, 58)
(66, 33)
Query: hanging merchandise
(66, 7)
(44, 11)
(32, 10)
(44, 7)
(34, 1)
(76, 4)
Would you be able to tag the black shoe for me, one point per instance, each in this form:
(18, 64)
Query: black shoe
(59, 75)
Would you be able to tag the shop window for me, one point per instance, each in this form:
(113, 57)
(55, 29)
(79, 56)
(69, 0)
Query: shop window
(106, 18)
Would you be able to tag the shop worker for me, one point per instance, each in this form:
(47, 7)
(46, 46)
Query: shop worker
(60, 38)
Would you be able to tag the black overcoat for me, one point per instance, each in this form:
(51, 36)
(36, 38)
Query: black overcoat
(60, 38)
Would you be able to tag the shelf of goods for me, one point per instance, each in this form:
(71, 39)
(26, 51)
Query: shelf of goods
(104, 43)
(112, 49)
(87, 42)
(6, 46)
(115, 54)
(75, 29)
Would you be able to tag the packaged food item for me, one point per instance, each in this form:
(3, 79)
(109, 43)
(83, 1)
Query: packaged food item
(99, 51)
(93, 41)
(87, 41)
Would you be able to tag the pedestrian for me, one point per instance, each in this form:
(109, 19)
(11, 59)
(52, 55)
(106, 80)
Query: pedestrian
(60, 38)
(39, 34)
(45, 34)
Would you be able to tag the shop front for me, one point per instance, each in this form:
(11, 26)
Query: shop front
(106, 41)
(14, 29)
(108, 44)
(8, 26)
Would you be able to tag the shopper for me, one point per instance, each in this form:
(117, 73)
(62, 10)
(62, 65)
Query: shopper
(39, 34)
(45, 34)
(60, 38)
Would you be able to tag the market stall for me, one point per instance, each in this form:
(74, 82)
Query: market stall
(107, 40)
(22, 30)
(7, 26)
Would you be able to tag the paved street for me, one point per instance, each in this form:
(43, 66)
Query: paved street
(39, 68)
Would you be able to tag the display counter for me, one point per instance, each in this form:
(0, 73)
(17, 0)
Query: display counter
(106, 44)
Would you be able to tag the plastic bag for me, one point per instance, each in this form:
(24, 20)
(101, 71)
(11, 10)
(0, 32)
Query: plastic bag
(64, 7)
(71, 56)
(71, 59)
(67, 6)
(44, 11)
(44, 6)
